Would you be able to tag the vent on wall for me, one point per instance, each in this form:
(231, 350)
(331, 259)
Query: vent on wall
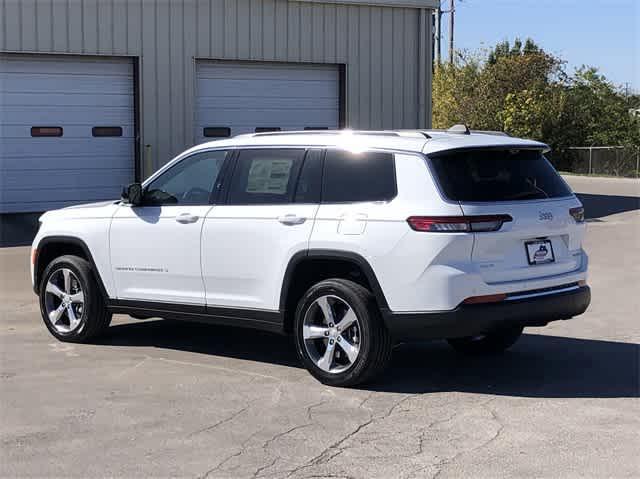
(46, 131)
(216, 132)
(101, 131)
(266, 129)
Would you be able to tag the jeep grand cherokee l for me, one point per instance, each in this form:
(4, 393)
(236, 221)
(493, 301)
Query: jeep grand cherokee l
(350, 241)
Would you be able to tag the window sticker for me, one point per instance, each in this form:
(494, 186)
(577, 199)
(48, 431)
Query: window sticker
(269, 176)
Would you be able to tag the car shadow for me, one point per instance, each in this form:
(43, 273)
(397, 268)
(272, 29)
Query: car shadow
(537, 366)
(599, 206)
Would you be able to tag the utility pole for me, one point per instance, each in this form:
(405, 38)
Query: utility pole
(438, 36)
(452, 12)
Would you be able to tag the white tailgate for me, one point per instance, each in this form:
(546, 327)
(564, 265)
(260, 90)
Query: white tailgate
(502, 255)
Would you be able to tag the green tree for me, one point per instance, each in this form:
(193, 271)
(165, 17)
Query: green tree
(493, 91)
(601, 111)
(525, 91)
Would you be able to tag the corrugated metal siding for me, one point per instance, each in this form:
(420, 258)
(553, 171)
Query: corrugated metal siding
(386, 51)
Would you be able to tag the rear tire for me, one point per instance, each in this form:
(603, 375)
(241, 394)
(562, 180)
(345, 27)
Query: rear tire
(487, 344)
(353, 345)
(71, 303)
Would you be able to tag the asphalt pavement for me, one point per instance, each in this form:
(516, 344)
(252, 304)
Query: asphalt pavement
(163, 398)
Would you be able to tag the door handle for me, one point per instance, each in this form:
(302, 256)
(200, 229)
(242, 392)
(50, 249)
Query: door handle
(291, 219)
(186, 218)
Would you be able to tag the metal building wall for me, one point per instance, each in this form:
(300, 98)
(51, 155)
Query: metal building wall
(386, 50)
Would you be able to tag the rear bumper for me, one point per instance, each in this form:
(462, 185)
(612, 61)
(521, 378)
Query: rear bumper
(473, 319)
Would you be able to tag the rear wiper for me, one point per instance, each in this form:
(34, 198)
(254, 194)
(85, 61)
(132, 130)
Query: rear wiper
(540, 190)
(527, 195)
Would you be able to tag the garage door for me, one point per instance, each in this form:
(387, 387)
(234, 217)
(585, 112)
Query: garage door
(66, 131)
(235, 97)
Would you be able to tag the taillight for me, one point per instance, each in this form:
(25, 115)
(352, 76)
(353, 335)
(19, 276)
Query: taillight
(34, 255)
(578, 214)
(458, 224)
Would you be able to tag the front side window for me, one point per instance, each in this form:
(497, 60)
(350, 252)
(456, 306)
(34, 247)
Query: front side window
(190, 182)
(265, 176)
(351, 177)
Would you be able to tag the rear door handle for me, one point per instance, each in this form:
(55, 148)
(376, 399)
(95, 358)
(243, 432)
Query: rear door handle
(186, 218)
(291, 219)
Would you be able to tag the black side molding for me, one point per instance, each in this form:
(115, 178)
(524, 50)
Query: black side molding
(250, 318)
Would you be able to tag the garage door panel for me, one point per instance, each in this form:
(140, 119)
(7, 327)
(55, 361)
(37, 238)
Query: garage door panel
(260, 102)
(283, 88)
(93, 84)
(12, 180)
(69, 131)
(76, 94)
(63, 162)
(37, 205)
(262, 117)
(68, 99)
(53, 115)
(267, 71)
(244, 96)
(14, 198)
(44, 65)
(59, 147)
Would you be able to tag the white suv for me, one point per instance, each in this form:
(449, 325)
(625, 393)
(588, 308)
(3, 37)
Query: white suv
(350, 241)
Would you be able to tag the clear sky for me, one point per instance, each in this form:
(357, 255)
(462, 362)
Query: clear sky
(600, 33)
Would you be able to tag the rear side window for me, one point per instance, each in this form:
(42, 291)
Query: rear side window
(265, 176)
(497, 175)
(350, 177)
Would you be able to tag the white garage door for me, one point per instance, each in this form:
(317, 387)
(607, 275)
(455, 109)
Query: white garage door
(66, 131)
(236, 97)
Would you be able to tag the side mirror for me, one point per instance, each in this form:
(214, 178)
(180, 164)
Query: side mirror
(132, 194)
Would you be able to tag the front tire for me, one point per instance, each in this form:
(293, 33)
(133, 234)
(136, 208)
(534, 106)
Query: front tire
(339, 333)
(487, 344)
(71, 303)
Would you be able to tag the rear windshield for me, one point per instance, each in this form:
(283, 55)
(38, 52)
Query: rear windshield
(497, 175)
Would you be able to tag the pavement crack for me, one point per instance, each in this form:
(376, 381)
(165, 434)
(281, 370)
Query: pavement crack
(219, 423)
(328, 453)
(268, 442)
(263, 468)
(219, 466)
(494, 416)
(313, 406)
(324, 456)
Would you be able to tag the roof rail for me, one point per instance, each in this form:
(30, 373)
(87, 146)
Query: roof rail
(459, 131)
(491, 132)
(295, 132)
(402, 133)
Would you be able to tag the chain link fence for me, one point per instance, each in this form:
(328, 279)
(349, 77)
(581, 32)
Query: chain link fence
(599, 160)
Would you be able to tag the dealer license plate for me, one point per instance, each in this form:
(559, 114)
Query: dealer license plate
(539, 252)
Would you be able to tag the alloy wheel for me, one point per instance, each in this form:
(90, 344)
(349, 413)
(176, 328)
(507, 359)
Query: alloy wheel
(64, 300)
(332, 334)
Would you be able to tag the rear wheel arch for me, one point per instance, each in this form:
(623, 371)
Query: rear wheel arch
(52, 247)
(307, 268)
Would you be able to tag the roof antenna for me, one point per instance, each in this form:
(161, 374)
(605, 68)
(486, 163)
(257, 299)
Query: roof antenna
(459, 130)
